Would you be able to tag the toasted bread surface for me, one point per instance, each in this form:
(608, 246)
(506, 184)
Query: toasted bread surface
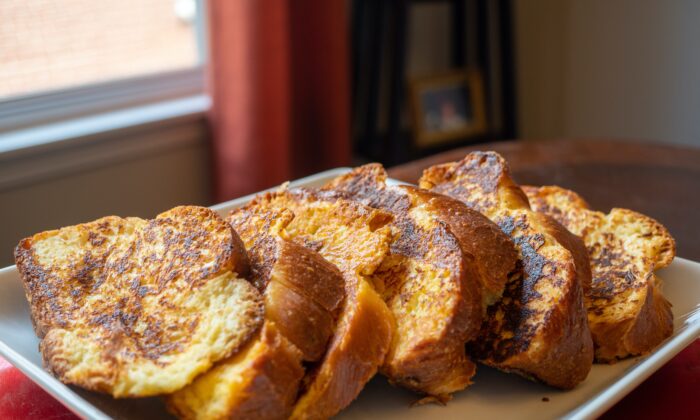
(437, 281)
(356, 239)
(260, 382)
(303, 294)
(627, 312)
(303, 291)
(539, 328)
(135, 307)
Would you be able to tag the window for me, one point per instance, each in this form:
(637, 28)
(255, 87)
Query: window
(72, 58)
(48, 45)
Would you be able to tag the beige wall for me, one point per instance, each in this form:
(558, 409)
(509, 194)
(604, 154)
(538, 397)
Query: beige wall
(598, 68)
(141, 185)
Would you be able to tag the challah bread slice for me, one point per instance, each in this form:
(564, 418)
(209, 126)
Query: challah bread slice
(446, 264)
(356, 239)
(134, 307)
(539, 329)
(303, 294)
(627, 313)
(259, 382)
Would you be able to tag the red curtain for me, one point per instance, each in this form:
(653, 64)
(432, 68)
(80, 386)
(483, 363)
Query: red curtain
(280, 89)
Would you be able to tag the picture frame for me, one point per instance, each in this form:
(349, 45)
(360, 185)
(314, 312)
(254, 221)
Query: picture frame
(448, 107)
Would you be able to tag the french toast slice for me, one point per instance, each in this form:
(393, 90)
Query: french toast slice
(134, 307)
(447, 263)
(539, 328)
(356, 239)
(627, 313)
(259, 382)
(303, 294)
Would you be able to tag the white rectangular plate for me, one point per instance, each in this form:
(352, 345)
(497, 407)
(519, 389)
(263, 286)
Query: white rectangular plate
(493, 395)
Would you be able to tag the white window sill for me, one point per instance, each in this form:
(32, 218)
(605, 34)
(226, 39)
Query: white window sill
(64, 133)
(31, 154)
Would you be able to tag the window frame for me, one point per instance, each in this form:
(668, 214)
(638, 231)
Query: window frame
(33, 110)
(94, 102)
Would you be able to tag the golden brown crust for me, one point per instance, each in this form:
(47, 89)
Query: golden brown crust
(112, 298)
(559, 203)
(653, 325)
(436, 271)
(261, 382)
(303, 291)
(356, 239)
(627, 313)
(574, 244)
(303, 296)
(303, 319)
(478, 236)
(437, 301)
(359, 346)
(565, 207)
(493, 251)
(484, 183)
(539, 328)
(566, 359)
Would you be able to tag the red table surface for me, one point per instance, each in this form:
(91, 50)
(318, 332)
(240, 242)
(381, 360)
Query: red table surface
(675, 390)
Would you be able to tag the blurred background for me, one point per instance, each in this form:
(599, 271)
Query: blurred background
(132, 107)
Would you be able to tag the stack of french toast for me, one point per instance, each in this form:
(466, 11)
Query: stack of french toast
(290, 305)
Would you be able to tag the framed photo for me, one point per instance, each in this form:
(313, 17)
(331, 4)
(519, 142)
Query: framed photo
(447, 108)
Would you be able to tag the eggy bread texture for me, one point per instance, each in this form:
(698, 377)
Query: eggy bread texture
(446, 264)
(539, 329)
(356, 239)
(135, 307)
(303, 294)
(627, 312)
(259, 382)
